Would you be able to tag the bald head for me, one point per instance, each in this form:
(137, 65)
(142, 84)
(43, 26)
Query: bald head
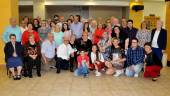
(13, 22)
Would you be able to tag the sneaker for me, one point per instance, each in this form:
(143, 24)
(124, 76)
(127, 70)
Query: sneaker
(52, 67)
(136, 75)
(98, 73)
(154, 79)
(86, 76)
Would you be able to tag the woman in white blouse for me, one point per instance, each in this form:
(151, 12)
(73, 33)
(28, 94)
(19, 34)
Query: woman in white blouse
(96, 60)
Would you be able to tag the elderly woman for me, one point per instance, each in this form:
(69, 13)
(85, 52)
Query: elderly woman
(33, 54)
(13, 54)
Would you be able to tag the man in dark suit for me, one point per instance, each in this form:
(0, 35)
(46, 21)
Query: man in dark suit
(159, 39)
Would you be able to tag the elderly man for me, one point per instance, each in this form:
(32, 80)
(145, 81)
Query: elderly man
(63, 55)
(48, 52)
(12, 29)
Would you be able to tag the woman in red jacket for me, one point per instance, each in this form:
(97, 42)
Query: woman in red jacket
(29, 32)
(98, 33)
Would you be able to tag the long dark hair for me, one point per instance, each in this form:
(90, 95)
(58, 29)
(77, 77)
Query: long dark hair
(63, 27)
(97, 51)
(113, 31)
(88, 29)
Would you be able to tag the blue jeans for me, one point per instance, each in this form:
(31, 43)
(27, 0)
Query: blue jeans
(137, 70)
(83, 70)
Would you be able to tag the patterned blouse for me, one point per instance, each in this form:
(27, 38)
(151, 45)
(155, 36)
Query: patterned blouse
(143, 37)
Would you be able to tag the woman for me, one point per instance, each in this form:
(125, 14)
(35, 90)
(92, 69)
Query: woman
(66, 30)
(86, 28)
(96, 60)
(52, 26)
(153, 63)
(118, 33)
(13, 56)
(98, 34)
(104, 45)
(74, 56)
(43, 31)
(93, 27)
(23, 27)
(58, 35)
(36, 25)
(143, 35)
(33, 54)
(109, 29)
(117, 59)
(28, 32)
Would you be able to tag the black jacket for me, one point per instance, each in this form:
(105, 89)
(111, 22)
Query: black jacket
(162, 38)
(9, 50)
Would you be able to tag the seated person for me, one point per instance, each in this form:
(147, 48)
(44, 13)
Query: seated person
(83, 65)
(153, 63)
(96, 60)
(135, 59)
(116, 64)
(63, 55)
(13, 56)
(33, 55)
(84, 43)
(105, 45)
(48, 52)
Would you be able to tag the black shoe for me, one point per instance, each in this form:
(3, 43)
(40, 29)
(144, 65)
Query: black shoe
(15, 77)
(39, 74)
(58, 71)
(71, 70)
(18, 77)
(30, 76)
(85, 76)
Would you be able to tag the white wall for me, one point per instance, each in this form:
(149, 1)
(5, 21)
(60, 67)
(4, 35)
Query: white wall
(157, 8)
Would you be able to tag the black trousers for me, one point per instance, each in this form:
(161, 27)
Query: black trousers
(31, 63)
(62, 64)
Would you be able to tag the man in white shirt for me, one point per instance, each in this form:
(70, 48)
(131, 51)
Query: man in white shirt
(48, 52)
(63, 55)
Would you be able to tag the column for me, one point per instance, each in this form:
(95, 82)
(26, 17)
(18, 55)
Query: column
(8, 9)
(168, 28)
(39, 8)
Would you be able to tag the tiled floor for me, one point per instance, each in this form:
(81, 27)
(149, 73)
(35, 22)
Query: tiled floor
(65, 84)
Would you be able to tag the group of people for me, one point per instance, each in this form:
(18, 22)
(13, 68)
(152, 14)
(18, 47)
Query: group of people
(84, 45)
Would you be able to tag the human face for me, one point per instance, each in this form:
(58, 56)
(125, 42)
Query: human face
(36, 22)
(43, 24)
(85, 36)
(13, 22)
(143, 25)
(94, 48)
(159, 24)
(124, 22)
(82, 53)
(105, 35)
(147, 49)
(116, 29)
(73, 38)
(31, 39)
(130, 24)
(30, 27)
(51, 37)
(134, 43)
(100, 26)
(115, 42)
(12, 38)
(65, 26)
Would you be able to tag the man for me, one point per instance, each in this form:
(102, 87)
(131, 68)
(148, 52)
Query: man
(159, 39)
(135, 59)
(48, 52)
(12, 29)
(77, 27)
(63, 55)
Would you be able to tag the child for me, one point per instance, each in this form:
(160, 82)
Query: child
(96, 60)
(117, 59)
(83, 65)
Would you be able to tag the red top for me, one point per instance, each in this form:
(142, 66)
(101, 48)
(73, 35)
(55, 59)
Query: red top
(80, 59)
(26, 34)
(97, 35)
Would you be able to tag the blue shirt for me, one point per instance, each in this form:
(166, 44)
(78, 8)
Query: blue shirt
(135, 56)
(12, 30)
(77, 29)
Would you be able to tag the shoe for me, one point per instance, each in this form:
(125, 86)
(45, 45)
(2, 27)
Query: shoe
(39, 74)
(154, 79)
(30, 76)
(118, 73)
(52, 67)
(15, 77)
(136, 75)
(18, 77)
(58, 71)
(85, 76)
(71, 70)
(98, 73)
